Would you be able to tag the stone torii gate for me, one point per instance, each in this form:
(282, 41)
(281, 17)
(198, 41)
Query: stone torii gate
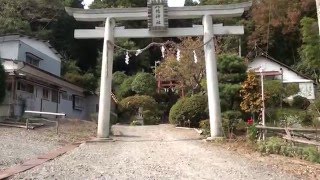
(157, 13)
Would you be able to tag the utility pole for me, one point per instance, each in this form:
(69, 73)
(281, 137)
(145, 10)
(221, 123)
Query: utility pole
(263, 104)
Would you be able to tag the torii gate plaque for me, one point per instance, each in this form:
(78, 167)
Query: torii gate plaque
(109, 32)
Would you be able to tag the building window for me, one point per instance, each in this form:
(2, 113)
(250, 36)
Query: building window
(22, 86)
(45, 93)
(32, 59)
(54, 96)
(78, 102)
(64, 96)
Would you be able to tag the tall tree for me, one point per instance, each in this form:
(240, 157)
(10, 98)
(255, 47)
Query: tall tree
(232, 72)
(310, 49)
(185, 71)
(217, 2)
(97, 4)
(318, 13)
(276, 26)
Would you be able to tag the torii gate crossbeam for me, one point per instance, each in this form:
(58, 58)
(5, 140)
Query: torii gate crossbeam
(207, 30)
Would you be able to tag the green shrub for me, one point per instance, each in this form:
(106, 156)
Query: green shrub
(205, 126)
(176, 111)
(129, 107)
(131, 104)
(300, 102)
(252, 133)
(317, 104)
(125, 88)
(230, 120)
(194, 108)
(287, 117)
(275, 145)
(273, 91)
(291, 89)
(311, 154)
(144, 84)
(150, 118)
(166, 101)
(118, 78)
(306, 119)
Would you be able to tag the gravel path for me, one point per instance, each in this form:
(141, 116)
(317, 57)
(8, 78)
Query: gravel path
(18, 145)
(153, 152)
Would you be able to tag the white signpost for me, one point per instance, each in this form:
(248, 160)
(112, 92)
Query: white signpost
(157, 15)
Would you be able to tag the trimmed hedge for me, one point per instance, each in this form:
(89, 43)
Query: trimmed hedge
(133, 103)
(151, 118)
(144, 84)
(194, 108)
(129, 107)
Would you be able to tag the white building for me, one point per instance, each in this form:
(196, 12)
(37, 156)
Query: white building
(278, 70)
(33, 70)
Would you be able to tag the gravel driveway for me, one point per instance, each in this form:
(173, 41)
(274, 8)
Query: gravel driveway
(153, 152)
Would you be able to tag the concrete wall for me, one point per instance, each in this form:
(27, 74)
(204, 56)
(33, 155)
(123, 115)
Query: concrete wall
(50, 63)
(35, 102)
(66, 106)
(91, 105)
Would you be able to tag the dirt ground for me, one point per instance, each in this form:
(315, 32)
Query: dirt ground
(164, 152)
(18, 145)
(301, 168)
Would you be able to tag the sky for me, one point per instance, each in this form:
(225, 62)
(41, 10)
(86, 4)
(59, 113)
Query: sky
(171, 3)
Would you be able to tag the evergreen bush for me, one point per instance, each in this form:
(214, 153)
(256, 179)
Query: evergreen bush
(230, 120)
(205, 127)
(144, 84)
(151, 118)
(300, 102)
(129, 107)
(125, 88)
(118, 78)
(194, 108)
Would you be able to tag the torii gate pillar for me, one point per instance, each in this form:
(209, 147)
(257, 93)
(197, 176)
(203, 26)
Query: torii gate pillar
(212, 78)
(128, 14)
(106, 81)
